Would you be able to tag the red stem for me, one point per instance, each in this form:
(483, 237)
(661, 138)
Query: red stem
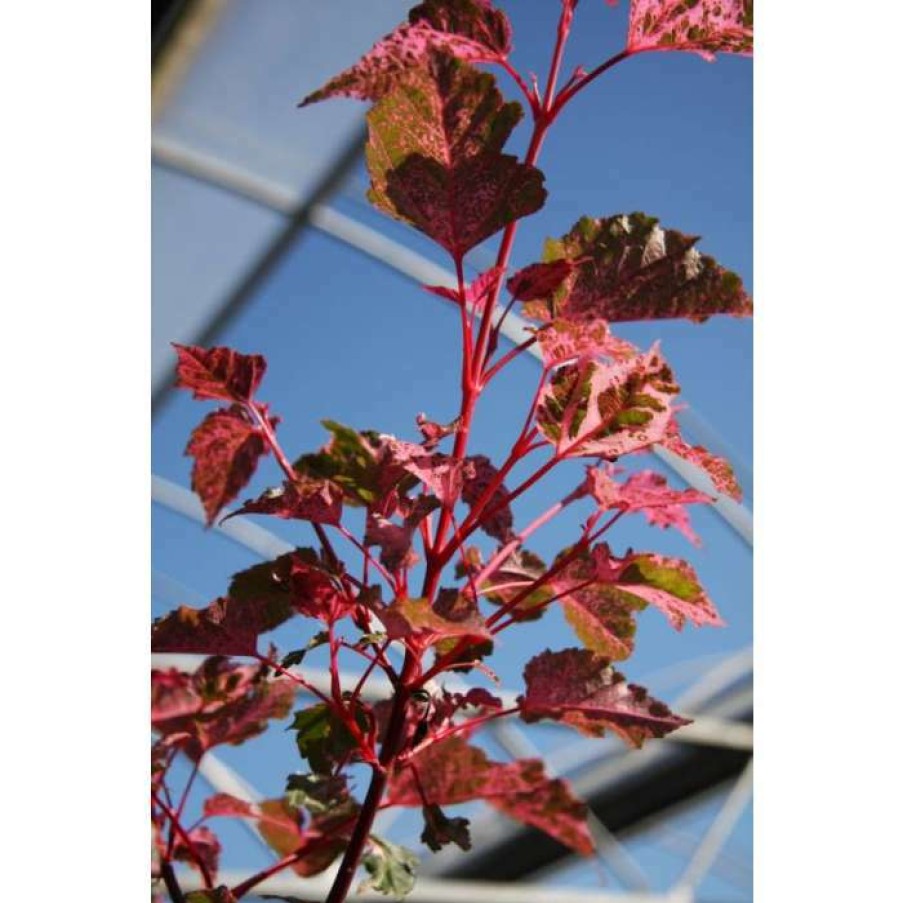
(392, 743)
(183, 835)
(568, 92)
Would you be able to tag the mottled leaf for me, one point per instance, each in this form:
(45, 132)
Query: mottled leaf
(602, 616)
(220, 373)
(591, 409)
(322, 737)
(497, 520)
(648, 492)
(580, 688)
(626, 267)
(670, 584)
(704, 26)
(718, 469)
(317, 501)
(521, 569)
(225, 627)
(452, 771)
(204, 846)
(562, 341)
(475, 294)
(435, 160)
(226, 448)
(392, 868)
(418, 620)
(221, 702)
(282, 826)
(470, 30)
(550, 806)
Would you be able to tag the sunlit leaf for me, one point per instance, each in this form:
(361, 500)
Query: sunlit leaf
(435, 158)
(471, 30)
(579, 688)
(221, 702)
(452, 771)
(226, 448)
(627, 267)
(704, 26)
(218, 373)
(591, 409)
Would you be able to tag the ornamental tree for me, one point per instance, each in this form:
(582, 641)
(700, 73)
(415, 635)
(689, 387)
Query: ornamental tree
(423, 586)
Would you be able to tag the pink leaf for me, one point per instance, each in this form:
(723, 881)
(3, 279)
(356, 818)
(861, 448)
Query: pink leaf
(418, 620)
(220, 373)
(497, 520)
(226, 804)
(704, 26)
(589, 409)
(648, 492)
(718, 469)
(317, 501)
(226, 448)
(562, 341)
(603, 617)
(471, 30)
(626, 267)
(435, 160)
(669, 584)
(219, 703)
(204, 845)
(452, 771)
(579, 688)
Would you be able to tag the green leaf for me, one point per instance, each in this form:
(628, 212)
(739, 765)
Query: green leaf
(391, 867)
(349, 460)
(296, 656)
(323, 738)
(220, 894)
(435, 160)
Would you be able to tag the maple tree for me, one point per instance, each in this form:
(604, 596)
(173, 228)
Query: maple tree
(437, 131)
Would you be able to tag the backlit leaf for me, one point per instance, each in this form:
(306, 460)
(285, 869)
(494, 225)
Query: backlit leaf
(323, 738)
(435, 160)
(317, 501)
(471, 30)
(591, 409)
(417, 619)
(579, 688)
(704, 26)
(225, 627)
(221, 702)
(648, 492)
(718, 469)
(282, 826)
(452, 771)
(219, 373)
(204, 846)
(520, 570)
(226, 448)
(626, 267)
(562, 341)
